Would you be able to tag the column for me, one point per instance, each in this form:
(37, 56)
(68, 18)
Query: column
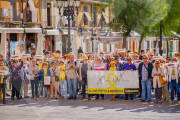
(3, 44)
(39, 49)
(113, 48)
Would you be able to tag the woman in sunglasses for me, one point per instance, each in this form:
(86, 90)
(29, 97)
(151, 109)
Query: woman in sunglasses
(99, 66)
(165, 91)
(43, 73)
(62, 80)
(156, 72)
(173, 79)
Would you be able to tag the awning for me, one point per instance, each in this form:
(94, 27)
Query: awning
(110, 38)
(33, 30)
(133, 39)
(51, 32)
(65, 31)
(87, 15)
(12, 30)
(105, 17)
(134, 34)
(178, 35)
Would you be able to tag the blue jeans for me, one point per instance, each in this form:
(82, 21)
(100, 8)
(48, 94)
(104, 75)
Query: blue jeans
(72, 82)
(146, 85)
(63, 93)
(174, 84)
(41, 88)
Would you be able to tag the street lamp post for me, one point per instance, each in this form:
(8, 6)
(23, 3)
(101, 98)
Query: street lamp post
(70, 8)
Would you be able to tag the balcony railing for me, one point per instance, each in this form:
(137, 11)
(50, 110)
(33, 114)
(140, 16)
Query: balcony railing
(50, 21)
(10, 15)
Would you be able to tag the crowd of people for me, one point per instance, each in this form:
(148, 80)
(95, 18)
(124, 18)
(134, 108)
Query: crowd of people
(69, 75)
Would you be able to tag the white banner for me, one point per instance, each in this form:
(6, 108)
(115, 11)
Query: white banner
(113, 82)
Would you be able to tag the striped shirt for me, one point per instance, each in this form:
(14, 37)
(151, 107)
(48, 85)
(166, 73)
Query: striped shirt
(144, 73)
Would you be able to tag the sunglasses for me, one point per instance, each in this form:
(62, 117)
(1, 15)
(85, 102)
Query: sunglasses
(157, 63)
(1, 65)
(128, 59)
(167, 59)
(144, 58)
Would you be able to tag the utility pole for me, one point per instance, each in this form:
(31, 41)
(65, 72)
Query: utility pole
(160, 45)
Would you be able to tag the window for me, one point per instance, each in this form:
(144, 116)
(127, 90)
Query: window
(13, 36)
(85, 9)
(95, 16)
(48, 14)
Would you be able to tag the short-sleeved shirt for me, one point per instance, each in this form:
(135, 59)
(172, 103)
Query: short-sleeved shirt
(126, 66)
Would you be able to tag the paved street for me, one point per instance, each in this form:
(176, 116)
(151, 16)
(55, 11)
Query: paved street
(29, 109)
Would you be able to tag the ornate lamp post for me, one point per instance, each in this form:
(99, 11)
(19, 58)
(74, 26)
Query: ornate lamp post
(70, 8)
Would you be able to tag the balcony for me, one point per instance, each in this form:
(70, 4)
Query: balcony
(10, 15)
(50, 22)
(31, 17)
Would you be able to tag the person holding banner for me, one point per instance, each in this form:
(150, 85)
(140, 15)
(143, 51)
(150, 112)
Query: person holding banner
(165, 91)
(135, 57)
(151, 58)
(156, 72)
(112, 67)
(145, 72)
(33, 72)
(44, 72)
(16, 78)
(2, 81)
(99, 66)
(142, 54)
(83, 68)
(122, 55)
(173, 78)
(128, 66)
(54, 79)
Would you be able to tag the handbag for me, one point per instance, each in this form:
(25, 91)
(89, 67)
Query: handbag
(56, 78)
(163, 79)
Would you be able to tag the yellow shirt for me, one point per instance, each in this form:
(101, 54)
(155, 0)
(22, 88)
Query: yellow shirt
(112, 69)
(40, 66)
(2, 77)
(62, 73)
(45, 71)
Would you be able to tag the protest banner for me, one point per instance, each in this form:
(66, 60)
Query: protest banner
(26, 55)
(4, 72)
(171, 65)
(39, 56)
(15, 57)
(156, 57)
(20, 48)
(90, 53)
(112, 82)
(121, 50)
(47, 80)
